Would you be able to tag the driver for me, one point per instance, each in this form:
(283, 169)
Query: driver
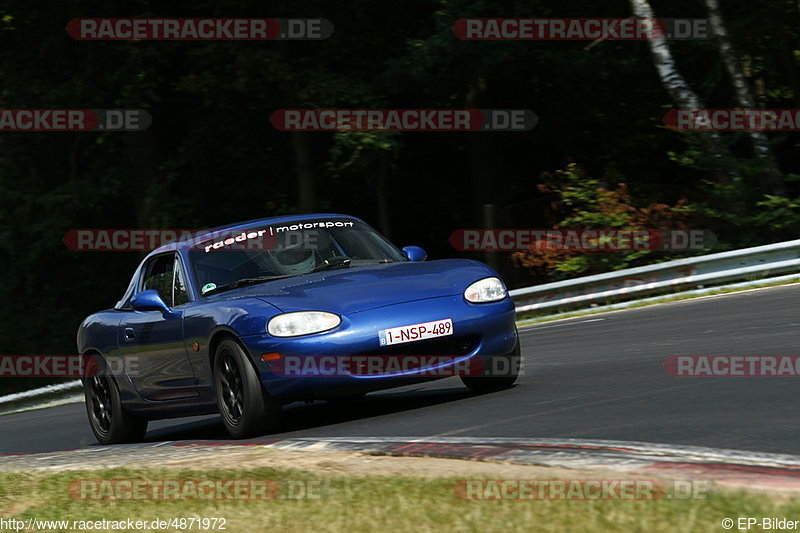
(294, 258)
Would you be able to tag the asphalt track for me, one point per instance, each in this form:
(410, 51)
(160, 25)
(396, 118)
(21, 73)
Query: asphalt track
(597, 377)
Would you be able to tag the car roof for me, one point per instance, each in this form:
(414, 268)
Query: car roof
(201, 236)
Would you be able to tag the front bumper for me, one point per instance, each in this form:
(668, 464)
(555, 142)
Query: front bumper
(480, 331)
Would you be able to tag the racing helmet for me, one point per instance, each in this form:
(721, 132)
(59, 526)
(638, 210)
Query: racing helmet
(294, 259)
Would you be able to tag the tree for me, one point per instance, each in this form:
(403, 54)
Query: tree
(682, 94)
(771, 177)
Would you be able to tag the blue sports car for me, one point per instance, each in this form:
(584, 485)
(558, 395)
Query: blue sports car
(243, 319)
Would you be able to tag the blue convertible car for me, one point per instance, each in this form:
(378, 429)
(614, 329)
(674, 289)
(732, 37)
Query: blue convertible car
(243, 319)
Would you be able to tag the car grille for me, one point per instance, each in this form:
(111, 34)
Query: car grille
(455, 346)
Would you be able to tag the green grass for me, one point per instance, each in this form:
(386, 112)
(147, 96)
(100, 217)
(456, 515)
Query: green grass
(378, 503)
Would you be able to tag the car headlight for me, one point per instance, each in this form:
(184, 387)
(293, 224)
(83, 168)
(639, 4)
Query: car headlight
(485, 290)
(302, 323)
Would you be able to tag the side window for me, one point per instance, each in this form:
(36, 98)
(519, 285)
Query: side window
(165, 274)
(179, 290)
(158, 276)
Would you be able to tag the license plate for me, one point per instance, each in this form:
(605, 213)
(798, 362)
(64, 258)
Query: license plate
(416, 332)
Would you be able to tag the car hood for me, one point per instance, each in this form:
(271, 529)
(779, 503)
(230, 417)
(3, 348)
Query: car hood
(354, 289)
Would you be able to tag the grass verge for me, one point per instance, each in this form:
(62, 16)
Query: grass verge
(355, 503)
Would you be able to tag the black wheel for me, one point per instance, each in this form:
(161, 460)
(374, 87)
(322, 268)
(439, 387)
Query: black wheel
(246, 409)
(109, 421)
(509, 366)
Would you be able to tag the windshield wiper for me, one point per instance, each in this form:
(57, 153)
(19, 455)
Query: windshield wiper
(333, 262)
(244, 282)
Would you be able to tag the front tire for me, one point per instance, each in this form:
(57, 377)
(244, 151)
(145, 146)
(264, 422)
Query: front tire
(489, 383)
(247, 411)
(109, 421)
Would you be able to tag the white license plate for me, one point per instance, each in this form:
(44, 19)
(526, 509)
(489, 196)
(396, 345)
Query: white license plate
(416, 332)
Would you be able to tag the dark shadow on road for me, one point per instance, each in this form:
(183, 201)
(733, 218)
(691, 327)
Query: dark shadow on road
(302, 416)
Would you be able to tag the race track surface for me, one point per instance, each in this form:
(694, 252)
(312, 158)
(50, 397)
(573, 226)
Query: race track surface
(597, 377)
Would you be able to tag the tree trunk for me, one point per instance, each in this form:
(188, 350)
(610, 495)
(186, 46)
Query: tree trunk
(301, 145)
(142, 148)
(682, 94)
(485, 181)
(303, 155)
(380, 194)
(771, 181)
(790, 67)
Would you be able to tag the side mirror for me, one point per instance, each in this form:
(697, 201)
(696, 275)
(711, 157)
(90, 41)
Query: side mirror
(415, 253)
(151, 301)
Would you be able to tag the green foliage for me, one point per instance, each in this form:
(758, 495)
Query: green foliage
(211, 156)
(583, 202)
(778, 212)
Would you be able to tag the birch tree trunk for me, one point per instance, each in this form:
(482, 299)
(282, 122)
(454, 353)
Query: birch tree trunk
(771, 178)
(681, 93)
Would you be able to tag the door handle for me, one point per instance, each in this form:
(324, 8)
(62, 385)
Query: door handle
(129, 334)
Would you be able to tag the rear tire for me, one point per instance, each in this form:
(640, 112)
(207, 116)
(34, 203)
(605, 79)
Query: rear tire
(109, 421)
(489, 383)
(247, 411)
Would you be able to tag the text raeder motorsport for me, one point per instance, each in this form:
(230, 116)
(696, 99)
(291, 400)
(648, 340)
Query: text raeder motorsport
(255, 234)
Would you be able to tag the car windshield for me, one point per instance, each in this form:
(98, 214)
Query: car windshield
(235, 258)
